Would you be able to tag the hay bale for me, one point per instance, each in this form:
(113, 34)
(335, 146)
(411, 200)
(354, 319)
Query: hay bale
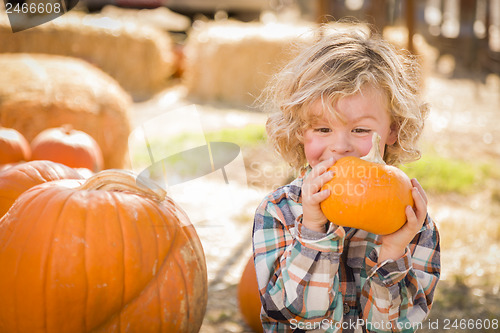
(140, 57)
(160, 17)
(44, 91)
(231, 61)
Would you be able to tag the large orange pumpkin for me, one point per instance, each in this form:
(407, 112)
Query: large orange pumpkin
(367, 194)
(13, 146)
(249, 297)
(9, 165)
(110, 254)
(21, 177)
(68, 146)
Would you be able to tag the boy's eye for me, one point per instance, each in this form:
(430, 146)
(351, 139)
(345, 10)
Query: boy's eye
(361, 130)
(322, 130)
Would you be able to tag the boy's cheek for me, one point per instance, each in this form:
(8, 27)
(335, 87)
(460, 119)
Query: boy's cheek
(364, 148)
(313, 153)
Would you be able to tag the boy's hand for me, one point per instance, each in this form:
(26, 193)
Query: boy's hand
(394, 245)
(313, 218)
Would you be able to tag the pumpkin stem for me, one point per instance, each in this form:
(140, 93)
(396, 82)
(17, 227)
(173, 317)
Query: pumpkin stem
(124, 181)
(67, 129)
(374, 153)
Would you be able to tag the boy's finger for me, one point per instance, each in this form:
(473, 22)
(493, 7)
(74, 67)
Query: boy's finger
(327, 176)
(416, 184)
(420, 204)
(320, 196)
(314, 185)
(322, 166)
(411, 218)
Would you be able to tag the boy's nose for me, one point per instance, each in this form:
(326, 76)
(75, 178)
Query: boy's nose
(341, 145)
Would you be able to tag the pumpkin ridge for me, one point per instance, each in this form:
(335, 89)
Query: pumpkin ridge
(26, 208)
(185, 288)
(49, 256)
(175, 239)
(112, 315)
(161, 214)
(196, 249)
(193, 244)
(173, 243)
(17, 263)
(117, 315)
(154, 278)
(191, 235)
(33, 178)
(158, 254)
(51, 171)
(86, 301)
(119, 214)
(30, 176)
(167, 252)
(119, 310)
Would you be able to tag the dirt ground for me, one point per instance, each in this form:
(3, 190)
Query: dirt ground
(463, 124)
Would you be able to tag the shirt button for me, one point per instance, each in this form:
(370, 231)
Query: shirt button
(347, 308)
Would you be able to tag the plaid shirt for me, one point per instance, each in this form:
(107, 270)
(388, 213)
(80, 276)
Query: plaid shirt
(331, 281)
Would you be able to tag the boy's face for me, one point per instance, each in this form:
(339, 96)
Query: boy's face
(349, 133)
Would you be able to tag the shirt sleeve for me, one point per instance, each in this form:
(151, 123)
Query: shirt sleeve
(401, 291)
(297, 268)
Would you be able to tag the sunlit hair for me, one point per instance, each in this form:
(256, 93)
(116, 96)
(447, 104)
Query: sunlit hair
(339, 65)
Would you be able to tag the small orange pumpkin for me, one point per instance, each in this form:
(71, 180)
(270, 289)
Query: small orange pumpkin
(21, 177)
(249, 297)
(13, 146)
(108, 254)
(68, 146)
(367, 194)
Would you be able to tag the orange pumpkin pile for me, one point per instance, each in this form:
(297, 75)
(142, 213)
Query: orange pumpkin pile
(13, 146)
(367, 194)
(108, 254)
(63, 144)
(68, 146)
(17, 179)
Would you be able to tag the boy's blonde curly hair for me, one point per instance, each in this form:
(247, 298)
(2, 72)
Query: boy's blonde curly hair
(338, 65)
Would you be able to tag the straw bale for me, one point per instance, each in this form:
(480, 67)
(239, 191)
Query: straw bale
(160, 17)
(231, 61)
(139, 57)
(42, 91)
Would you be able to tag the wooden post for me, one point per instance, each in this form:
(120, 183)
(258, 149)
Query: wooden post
(377, 15)
(322, 11)
(410, 23)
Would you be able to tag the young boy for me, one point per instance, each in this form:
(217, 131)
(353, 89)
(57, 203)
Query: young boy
(313, 274)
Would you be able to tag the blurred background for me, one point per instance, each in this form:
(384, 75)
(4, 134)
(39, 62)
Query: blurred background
(183, 73)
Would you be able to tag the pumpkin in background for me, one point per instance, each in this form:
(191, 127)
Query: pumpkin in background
(41, 90)
(68, 146)
(367, 194)
(13, 146)
(84, 172)
(249, 297)
(20, 177)
(109, 254)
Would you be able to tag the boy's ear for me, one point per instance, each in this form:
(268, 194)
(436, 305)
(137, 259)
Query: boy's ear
(393, 134)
